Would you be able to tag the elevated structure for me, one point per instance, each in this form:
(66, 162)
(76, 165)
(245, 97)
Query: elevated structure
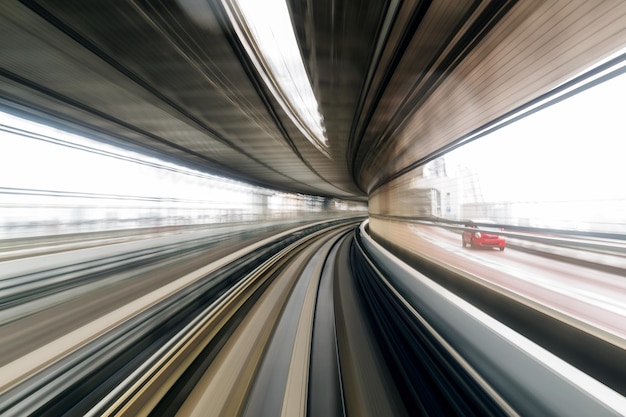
(397, 82)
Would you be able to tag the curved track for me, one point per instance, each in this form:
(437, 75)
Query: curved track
(297, 323)
(86, 346)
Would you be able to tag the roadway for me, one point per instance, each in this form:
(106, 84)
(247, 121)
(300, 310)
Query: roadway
(574, 311)
(588, 297)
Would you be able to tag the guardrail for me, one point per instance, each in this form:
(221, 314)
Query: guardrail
(527, 377)
(604, 251)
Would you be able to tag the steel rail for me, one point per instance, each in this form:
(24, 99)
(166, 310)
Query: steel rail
(167, 376)
(83, 372)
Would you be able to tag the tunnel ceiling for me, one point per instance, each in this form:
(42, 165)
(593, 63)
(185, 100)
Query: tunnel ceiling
(396, 81)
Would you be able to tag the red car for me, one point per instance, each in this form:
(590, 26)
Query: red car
(483, 236)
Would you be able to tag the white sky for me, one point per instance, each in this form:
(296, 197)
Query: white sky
(574, 150)
(270, 23)
(37, 164)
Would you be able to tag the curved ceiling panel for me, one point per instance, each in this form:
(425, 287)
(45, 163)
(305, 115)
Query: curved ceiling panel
(396, 81)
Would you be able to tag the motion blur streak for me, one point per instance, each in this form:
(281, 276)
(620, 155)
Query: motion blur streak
(312, 208)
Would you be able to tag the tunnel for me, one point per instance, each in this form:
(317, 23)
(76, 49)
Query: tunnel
(312, 208)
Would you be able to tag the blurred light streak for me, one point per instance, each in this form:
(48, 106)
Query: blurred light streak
(265, 29)
(54, 182)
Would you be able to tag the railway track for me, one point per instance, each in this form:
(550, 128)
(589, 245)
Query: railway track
(308, 322)
(72, 373)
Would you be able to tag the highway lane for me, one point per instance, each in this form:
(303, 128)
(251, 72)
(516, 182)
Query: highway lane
(595, 299)
(551, 302)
